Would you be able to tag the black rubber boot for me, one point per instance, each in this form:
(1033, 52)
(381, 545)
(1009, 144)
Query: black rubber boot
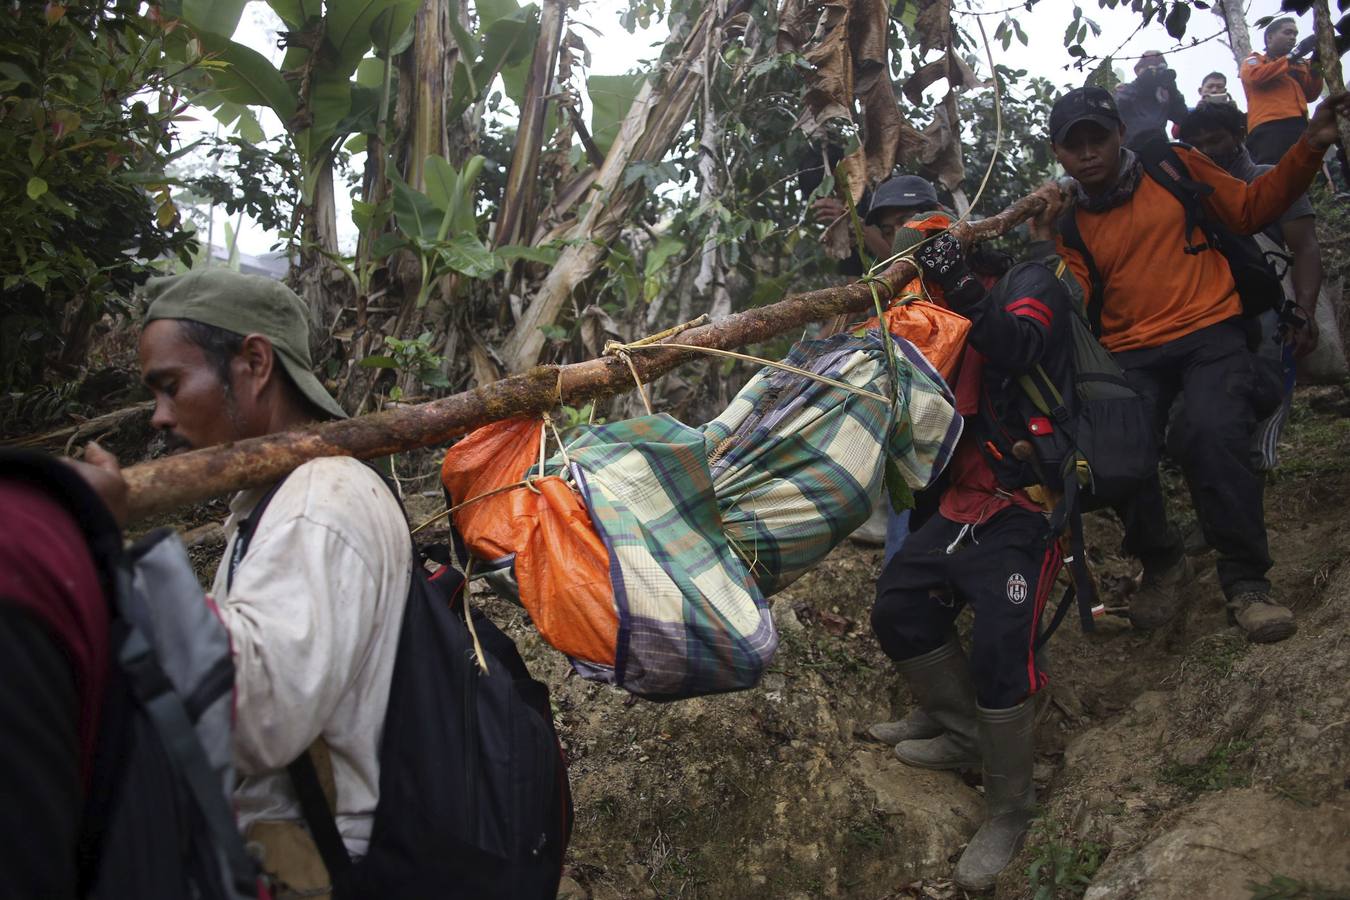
(940, 681)
(916, 726)
(1008, 744)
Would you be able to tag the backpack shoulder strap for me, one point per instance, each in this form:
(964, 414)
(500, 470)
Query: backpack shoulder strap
(244, 535)
(1163, 164)
(1073, 239)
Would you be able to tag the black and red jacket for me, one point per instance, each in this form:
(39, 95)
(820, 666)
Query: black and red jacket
(1019, 324)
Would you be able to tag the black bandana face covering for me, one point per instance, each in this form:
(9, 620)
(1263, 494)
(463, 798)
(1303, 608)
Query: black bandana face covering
(1127, 179)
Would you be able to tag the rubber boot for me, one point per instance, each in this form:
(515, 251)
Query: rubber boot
(940, 681)
(1008, 745)
(915, 726)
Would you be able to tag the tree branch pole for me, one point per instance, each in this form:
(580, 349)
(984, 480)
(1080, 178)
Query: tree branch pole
(164, 484)
(1331, 62)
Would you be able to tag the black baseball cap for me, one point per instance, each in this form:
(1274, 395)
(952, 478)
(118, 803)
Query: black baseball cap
(1084, 104)
(905, 191)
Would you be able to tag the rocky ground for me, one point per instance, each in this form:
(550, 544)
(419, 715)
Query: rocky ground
(1183, 764)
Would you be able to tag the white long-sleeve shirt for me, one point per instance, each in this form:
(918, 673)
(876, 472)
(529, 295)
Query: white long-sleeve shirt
(314, 615)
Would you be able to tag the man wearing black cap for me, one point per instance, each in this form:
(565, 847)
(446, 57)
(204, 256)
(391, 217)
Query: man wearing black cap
(893, 202)
(315, 604)
(1170, 312)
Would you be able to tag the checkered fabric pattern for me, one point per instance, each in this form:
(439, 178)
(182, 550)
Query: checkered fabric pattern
(695, 546)
(798, 463)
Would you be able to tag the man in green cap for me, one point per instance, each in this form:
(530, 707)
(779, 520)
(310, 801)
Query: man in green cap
(315, 602)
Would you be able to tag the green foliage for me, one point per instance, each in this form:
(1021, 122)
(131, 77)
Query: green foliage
(1215, 772)
(611, 98)
(413, 356)
(1061, 866)
(86, 128)
(252, 177)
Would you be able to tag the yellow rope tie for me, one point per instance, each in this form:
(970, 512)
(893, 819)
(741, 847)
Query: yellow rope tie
(562, 448)
(746, 357)
(480, 656)
(523, 483)
(614, 348)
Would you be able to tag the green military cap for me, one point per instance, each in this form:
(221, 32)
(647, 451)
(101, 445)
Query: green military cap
(245, 304)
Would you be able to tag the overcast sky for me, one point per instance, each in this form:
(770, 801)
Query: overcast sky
(614, 51)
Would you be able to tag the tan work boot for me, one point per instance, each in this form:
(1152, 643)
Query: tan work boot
(1158, 597)
(1264, 620)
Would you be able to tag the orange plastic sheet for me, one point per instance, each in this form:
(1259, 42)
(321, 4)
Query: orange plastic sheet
(939, 333)
(561, 565)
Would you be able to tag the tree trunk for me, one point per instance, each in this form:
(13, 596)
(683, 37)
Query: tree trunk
(1239, 40)
(313, 280)
(653, 122)
(1331, 63)
(711, 281)
(515, 222)
(163, 484)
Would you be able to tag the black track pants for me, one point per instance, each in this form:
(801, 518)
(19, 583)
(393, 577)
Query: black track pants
(1004, 570)
(1226, 394)
(1271, 140)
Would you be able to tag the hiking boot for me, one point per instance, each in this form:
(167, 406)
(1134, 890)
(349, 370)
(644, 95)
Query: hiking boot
(916, 726)
(940, 681)
(1156, 601)
(1264, 620)
(1008, 745)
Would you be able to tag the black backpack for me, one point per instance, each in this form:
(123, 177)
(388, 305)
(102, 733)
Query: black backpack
(1099, 444)
(158, 821)
(1258, 284)
(474, 798)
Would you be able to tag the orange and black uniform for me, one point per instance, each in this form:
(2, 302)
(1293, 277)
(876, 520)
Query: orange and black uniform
(1172, 320)
(1278, 92)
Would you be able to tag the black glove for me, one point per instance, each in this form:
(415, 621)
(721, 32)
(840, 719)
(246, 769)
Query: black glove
(944, 261)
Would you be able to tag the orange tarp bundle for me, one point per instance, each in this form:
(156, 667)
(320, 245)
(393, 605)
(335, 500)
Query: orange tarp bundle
(939, 333)
(561, 565)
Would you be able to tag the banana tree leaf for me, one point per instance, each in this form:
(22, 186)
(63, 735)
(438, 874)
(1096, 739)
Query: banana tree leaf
(414, 212)
(370, 73)
(452, 191)
(611, 98)
(237, 116)
(392, 30)
(349, 27)
(442, 181)
(251, 80)
(466, 254)
(514, 78)
(505, 43)
(330, 101)
(490, 11)
(363, 117)
(295, 12)
(466, 42)
(217, 17)
(545, 255)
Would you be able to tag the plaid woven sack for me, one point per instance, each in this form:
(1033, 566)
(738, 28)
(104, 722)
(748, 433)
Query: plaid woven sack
(702, 524)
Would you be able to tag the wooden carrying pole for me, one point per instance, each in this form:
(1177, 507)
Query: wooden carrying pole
(163, 484)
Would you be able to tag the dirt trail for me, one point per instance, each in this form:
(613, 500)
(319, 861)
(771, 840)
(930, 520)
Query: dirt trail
(1185, 764)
